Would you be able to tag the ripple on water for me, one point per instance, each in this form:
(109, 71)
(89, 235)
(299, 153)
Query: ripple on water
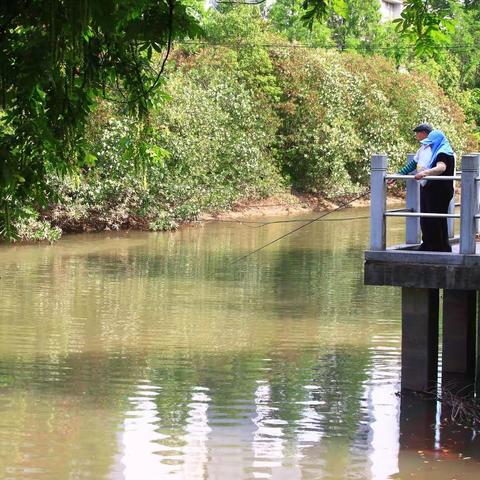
(153, 353)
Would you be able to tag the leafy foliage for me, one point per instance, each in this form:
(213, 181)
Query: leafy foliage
(318, 9)
(436, 37)
(428, 22)
(33, 229)
(57, 57)
(358, 25)
(346, 24)
(208, 147)
(244, 29)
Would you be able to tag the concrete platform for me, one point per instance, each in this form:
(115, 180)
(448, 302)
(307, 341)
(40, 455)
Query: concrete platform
(402, 267)
(423, 274)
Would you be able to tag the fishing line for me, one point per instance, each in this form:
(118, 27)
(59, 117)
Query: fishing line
(346, 219)
(364, 194)
(259, 224)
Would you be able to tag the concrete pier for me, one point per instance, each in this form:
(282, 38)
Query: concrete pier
(459, 315)
(427, 277)
(419, 338)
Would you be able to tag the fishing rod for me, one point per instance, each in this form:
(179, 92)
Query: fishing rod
(364, 194)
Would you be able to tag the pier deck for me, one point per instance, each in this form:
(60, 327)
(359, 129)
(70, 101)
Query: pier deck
(400, 266)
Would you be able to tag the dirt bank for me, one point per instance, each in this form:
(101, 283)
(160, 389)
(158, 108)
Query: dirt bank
(290, 204)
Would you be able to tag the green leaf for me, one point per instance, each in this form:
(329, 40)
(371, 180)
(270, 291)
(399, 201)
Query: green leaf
(158, 154)
(157, 47)
(40, 92)
(89, 159)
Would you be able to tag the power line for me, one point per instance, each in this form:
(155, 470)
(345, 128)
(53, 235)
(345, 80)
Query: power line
(460, 48)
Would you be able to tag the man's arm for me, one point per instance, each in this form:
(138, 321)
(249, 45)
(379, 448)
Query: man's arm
(438, 169)
(409, 167)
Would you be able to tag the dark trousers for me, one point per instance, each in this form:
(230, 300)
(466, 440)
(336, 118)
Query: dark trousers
(434, 230)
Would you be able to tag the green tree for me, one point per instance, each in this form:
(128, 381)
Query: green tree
(357, 26)
(429, 23)
(346, 24)
(286, 17)
(466, 46)
(56, 58)
(243, 28)
(448, 55)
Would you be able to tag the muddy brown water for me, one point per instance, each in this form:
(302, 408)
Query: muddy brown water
(153, 356)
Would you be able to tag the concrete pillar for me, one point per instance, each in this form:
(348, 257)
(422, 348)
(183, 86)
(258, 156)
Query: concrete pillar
(419, 338)
(412, 226)
(378, 202)
(459, 317)
(469, 203)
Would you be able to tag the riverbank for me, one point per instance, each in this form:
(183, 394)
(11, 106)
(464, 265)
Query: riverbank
(52, 224)
(291, 204)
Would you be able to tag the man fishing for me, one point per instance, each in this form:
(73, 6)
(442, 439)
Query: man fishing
(434, 158)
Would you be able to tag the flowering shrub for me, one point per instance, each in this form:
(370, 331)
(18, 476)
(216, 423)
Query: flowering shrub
(339, 109)
(205, 149)
(33, 229)
(219, 140)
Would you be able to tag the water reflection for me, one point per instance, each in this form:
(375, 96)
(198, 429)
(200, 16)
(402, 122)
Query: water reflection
(140, 436)
(154, 356)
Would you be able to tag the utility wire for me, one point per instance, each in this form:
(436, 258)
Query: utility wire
(364, 194)
(460, 48)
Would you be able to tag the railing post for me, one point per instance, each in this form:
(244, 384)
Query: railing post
(413, 204)
(477, 223)
(451, 221)
(469, 203)
(378, 202)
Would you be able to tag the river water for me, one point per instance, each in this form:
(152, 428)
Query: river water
(157, 356)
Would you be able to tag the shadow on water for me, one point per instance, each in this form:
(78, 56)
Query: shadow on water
(431, 444)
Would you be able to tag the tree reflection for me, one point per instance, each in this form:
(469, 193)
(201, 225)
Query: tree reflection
(156, 352)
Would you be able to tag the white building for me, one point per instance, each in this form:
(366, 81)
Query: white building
(390, 9)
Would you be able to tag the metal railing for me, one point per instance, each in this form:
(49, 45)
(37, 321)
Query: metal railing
(469, 205)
